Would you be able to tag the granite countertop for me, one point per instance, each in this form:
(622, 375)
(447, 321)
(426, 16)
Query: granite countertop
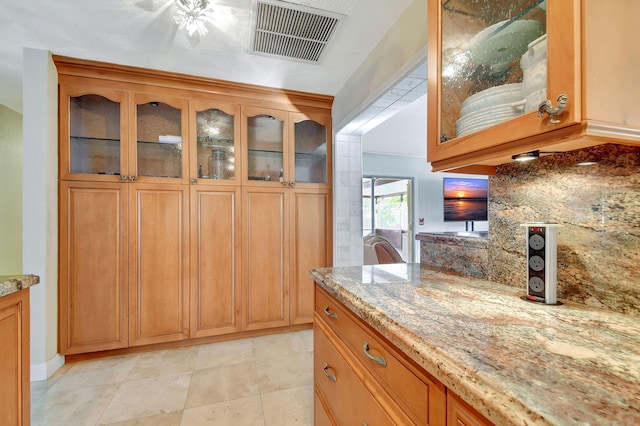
(13, 283)
(515, 361)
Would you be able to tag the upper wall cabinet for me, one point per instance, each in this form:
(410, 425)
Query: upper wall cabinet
(311, 148)
(108, 134)
(287, 149)
(512, 76)
(215, 128)
(93, 132)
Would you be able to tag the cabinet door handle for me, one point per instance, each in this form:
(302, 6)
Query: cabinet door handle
(292, 184)
(331, 377)
(194, 180)
(132, 178)
(123, 178)
(547, 107)
(379, 359)
(331, 315)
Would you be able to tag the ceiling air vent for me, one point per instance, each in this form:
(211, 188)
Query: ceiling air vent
(292, 31)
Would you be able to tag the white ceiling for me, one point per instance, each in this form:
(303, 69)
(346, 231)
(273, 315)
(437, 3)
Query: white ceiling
(143, 33)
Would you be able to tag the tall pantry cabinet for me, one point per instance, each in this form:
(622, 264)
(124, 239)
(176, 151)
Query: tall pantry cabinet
(189, 207)
(287, 211)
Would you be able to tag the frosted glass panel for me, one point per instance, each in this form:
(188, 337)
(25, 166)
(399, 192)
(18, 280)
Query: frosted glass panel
(216, 145)
(494, 62)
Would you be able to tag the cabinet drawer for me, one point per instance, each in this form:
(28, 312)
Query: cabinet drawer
(347, 398)
(412, 393)
(459, 413)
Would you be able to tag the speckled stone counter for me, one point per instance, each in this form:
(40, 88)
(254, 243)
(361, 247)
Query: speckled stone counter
(12, 283)
(455, 252)
(516, 362)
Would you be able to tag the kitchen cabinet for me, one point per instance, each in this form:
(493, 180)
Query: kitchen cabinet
(566, 52)
(311, 226)
(349, 355)
(215, 219)
(215, 255)
(123, 265)
(160, 125)
(215, 128)
(311, 230)
(93, 269)
(158, 263)
(266, 257)
(349, 402)
(109, 133)
(123, 241)
(14, 359)
(459, 413)
(189, 207)
(287, 208)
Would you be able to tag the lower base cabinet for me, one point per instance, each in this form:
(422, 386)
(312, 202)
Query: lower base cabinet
(459, 413)
(362, 379)
(14, 359)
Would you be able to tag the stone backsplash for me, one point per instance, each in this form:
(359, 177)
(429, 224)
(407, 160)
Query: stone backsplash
(598, 206)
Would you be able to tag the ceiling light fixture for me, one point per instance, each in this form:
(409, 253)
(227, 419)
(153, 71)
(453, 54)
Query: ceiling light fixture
(526, 156)
(192, 15)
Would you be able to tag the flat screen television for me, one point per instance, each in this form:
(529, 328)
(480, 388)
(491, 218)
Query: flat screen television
(465, 199)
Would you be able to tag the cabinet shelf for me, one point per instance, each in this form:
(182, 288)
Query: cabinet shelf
(89, 139)
(209, 141)
(264, 152)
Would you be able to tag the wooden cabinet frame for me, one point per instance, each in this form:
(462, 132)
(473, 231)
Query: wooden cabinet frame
(581, 64)
(165, 292)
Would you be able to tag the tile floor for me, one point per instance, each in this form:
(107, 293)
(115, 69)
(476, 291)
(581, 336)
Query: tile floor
(266, 381)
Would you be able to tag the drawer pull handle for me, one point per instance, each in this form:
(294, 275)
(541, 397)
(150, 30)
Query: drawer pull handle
(379, 359)
(332, 315)
(330, 376)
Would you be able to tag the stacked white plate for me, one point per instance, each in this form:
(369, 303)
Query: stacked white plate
(489, 107)
(503, 42)
(534, 73)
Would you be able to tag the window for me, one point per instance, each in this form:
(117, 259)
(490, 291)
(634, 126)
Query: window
(386, 212)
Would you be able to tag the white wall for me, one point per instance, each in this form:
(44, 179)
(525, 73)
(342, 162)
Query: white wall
(399, 51)
(40, 206)
(10, 192)
(395, 55)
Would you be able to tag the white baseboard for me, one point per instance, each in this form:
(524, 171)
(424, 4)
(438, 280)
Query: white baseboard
(43, 370)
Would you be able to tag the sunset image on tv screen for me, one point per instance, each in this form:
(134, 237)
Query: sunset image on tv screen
(465, 199)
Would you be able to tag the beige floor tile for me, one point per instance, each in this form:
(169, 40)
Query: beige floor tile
(289, 407)
(290, 371)
(224, 353)
(169, 419)
(147, 397)
(276, 345)
(223, 383)
(41, 387)
(72, 407)
(165, 362)
(241, 412)
(307, 338)
(96, 372)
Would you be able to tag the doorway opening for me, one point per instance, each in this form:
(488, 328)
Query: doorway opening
(387, 206)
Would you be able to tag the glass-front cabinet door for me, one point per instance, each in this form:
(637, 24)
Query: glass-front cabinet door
(161, 147)
(266, 133)
(217, 135)
(494, 64)
(311, 148)
(92, 133)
